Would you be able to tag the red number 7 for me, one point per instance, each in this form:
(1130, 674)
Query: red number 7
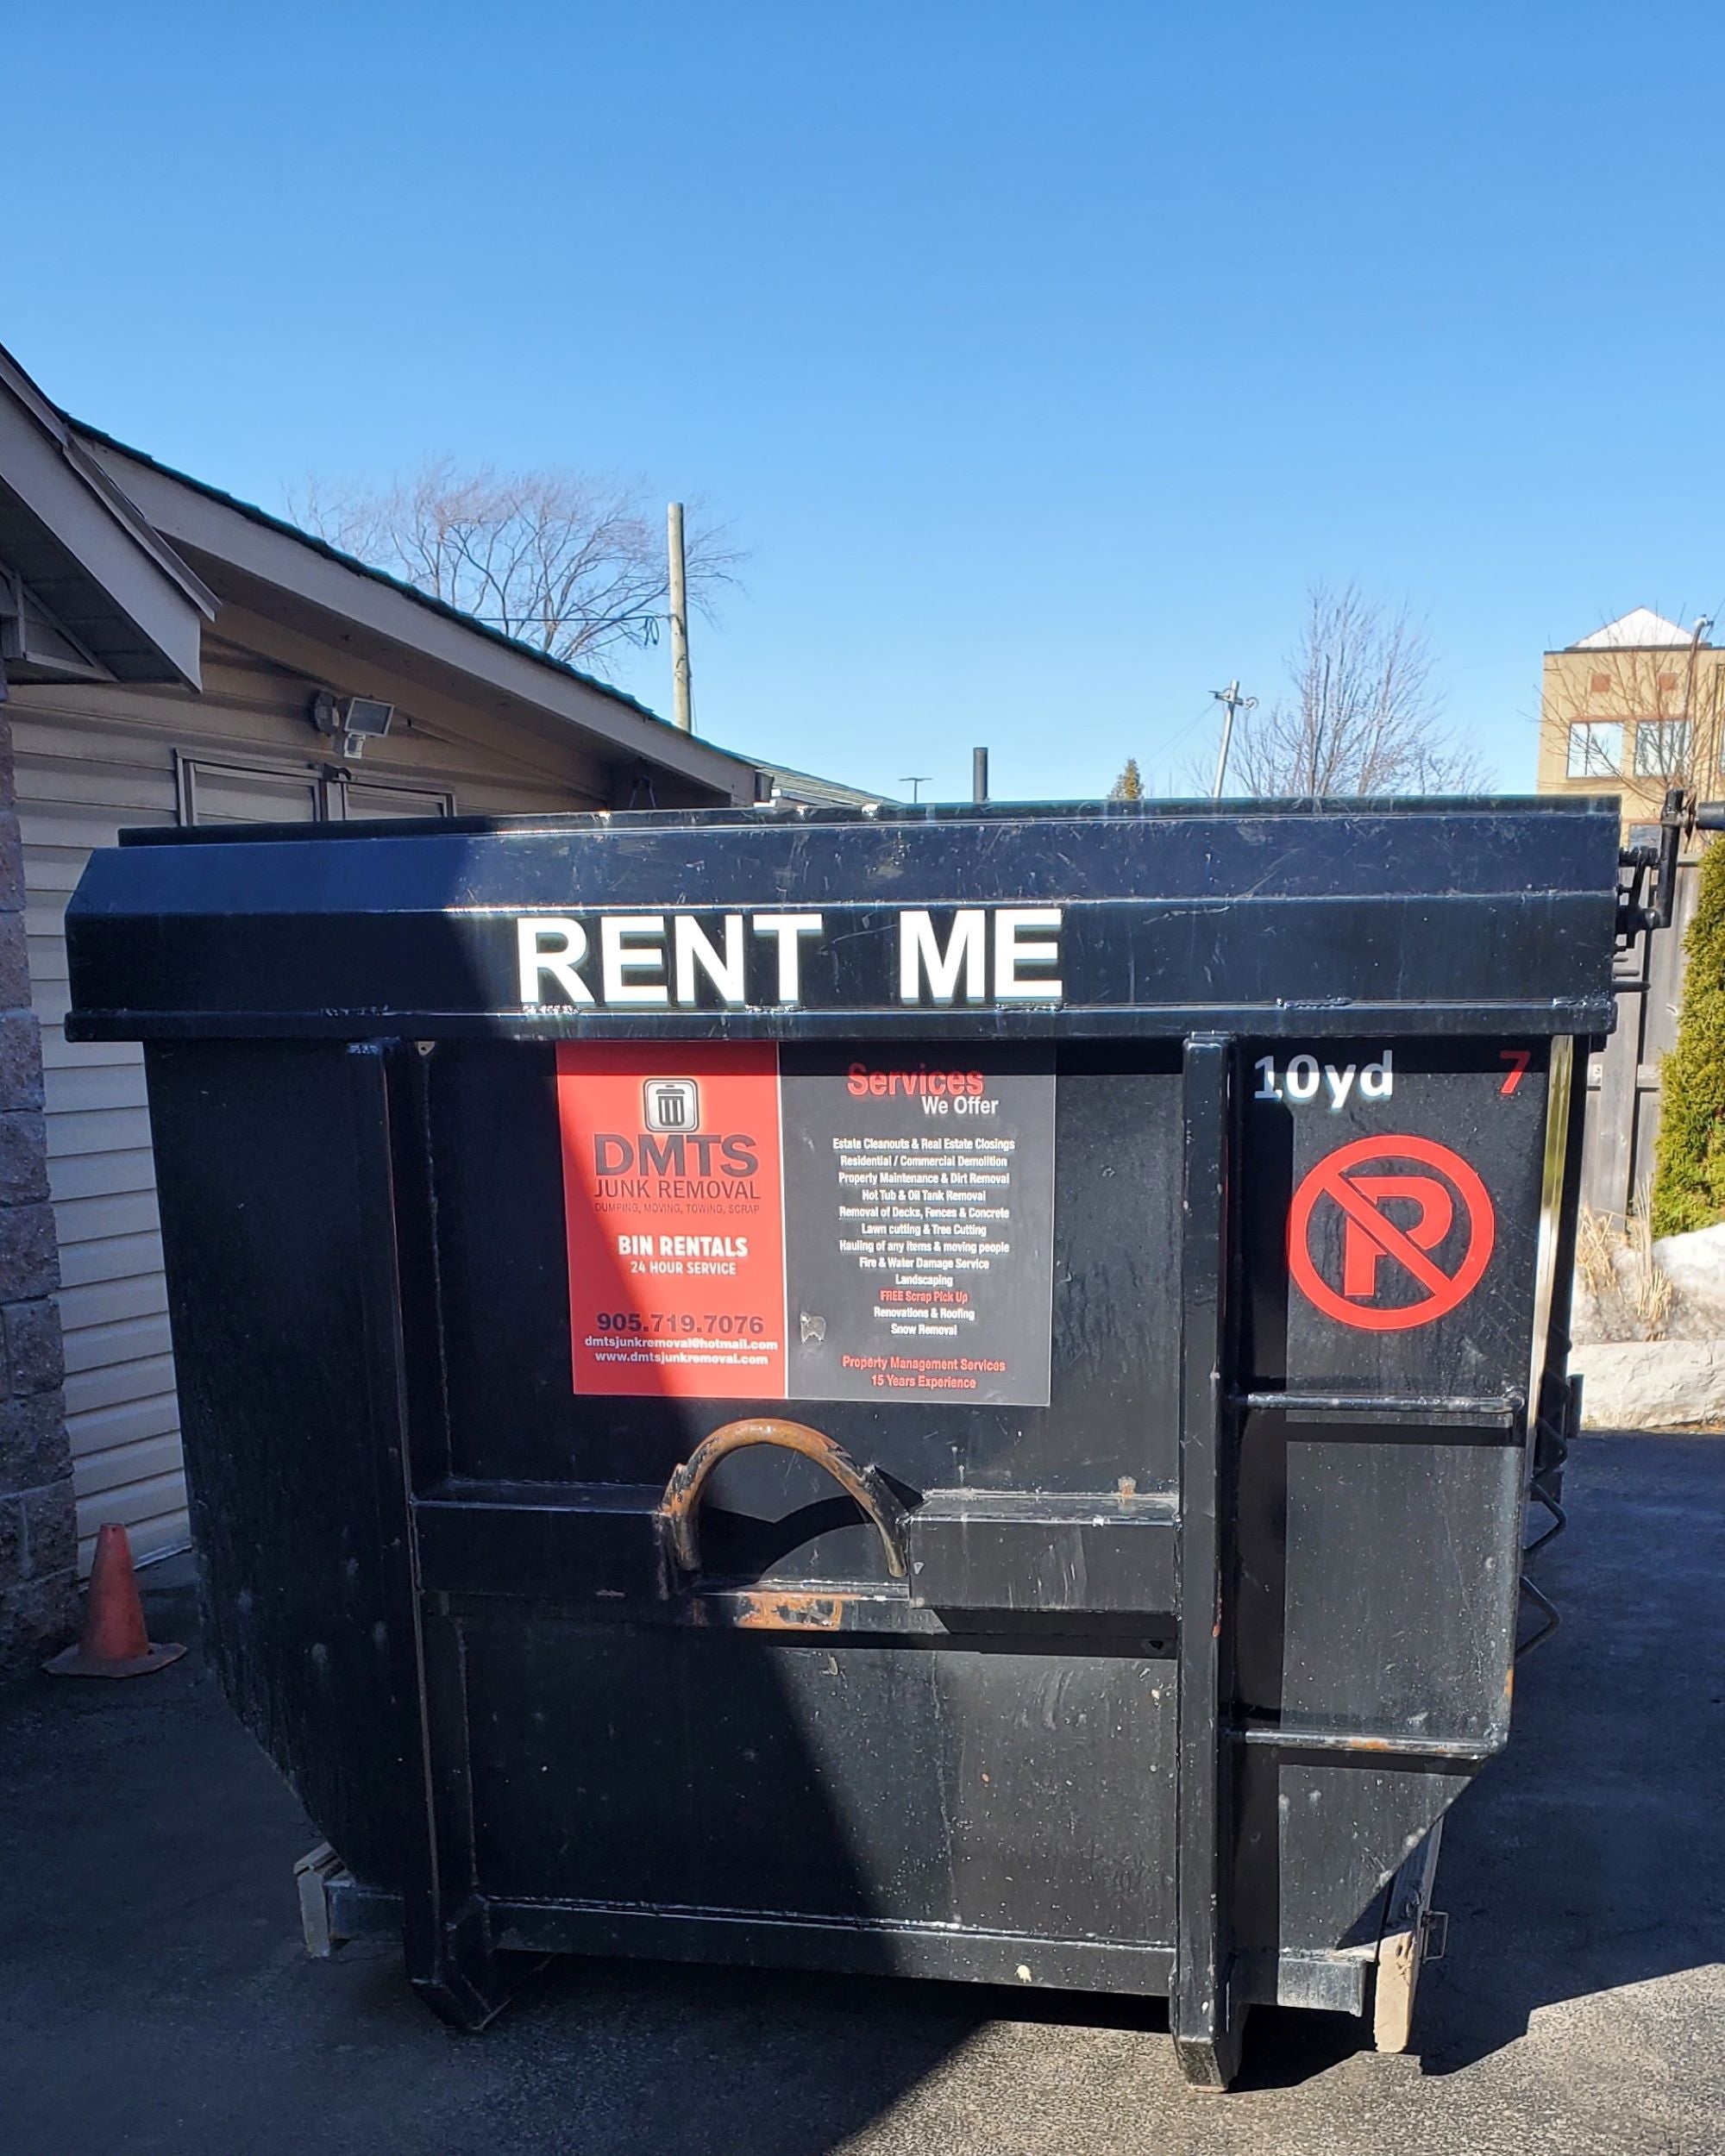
(1521, 1057)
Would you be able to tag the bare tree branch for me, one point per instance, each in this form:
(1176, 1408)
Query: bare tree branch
(1365, 715)
(571, 562)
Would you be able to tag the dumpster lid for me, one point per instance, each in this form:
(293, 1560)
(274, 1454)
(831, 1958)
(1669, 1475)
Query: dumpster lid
(1116, 919)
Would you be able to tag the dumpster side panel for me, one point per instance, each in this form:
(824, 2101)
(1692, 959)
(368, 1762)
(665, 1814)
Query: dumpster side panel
(1199, 916)
(514, 1418)
(261, 1227)
(1416, 1643)
(981, 1784)
(1006, 1770)
(1379, 1538)
(1320, 1839)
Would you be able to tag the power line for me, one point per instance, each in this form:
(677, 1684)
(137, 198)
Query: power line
(1201, 717)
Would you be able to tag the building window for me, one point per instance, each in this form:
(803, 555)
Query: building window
(213, 792)
(1661, 747)
(1596, 749)
(1600, 683)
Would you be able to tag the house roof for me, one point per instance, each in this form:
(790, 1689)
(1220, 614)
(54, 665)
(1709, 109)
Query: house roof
(103, 590)
(253, 514)
(260, 561)
(1640, 629)
(176, 525)
(803, 786)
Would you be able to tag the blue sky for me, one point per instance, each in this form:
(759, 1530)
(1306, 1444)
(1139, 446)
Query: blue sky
(1042, 357)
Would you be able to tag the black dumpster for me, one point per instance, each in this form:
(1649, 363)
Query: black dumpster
(951, 1391)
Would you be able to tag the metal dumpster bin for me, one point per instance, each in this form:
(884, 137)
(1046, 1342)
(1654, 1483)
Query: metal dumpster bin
(951, 1391)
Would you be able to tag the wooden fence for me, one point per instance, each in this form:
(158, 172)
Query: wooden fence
(1623, 1083)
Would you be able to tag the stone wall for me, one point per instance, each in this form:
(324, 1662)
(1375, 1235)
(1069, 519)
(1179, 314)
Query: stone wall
(38, 1527)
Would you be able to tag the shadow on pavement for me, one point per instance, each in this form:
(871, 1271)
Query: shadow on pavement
(156, 1998)
(1592, 1855)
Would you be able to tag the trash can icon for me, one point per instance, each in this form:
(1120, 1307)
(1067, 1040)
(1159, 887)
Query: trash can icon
(671, 1104)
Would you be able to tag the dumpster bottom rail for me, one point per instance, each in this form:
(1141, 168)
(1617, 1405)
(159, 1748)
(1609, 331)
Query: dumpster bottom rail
(1376, 1977)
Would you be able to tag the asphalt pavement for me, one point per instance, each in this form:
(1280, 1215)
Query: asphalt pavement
(154, 1996)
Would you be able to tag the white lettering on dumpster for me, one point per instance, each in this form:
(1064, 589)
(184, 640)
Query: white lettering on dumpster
(979, 955)
(635, 968)
(551, 945)
(1024, 954)
(632, 943)
(1302, 1078)
(788, 929)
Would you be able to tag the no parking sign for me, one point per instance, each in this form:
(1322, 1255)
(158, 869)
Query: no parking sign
(1396, 1219)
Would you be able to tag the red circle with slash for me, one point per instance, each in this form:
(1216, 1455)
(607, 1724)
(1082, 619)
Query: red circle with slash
(1371, 1237)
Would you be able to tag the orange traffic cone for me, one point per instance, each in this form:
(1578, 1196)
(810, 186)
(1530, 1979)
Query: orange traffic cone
(114, 1642)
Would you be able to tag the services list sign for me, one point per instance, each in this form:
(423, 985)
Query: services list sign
(762, 1222)
(919, 1224)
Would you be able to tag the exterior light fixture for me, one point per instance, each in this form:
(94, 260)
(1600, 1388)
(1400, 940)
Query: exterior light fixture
(351, 721)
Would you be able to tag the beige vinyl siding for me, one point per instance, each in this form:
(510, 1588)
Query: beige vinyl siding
(91, 761)
(122, 1415)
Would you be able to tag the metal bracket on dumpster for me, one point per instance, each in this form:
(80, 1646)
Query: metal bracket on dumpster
(1559, 1520)
(1550, 1619)
(334, 1907)
(1636, 913)
(679, 1508)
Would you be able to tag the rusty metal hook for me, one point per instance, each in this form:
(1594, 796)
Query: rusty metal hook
(680, 1507)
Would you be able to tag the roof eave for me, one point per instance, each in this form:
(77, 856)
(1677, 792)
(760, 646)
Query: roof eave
(95, 543)
(271, 552)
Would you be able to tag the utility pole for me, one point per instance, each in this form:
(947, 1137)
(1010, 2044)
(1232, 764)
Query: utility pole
(682, 699)
(1230, 701)
(979, 775)
(1690, 765)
